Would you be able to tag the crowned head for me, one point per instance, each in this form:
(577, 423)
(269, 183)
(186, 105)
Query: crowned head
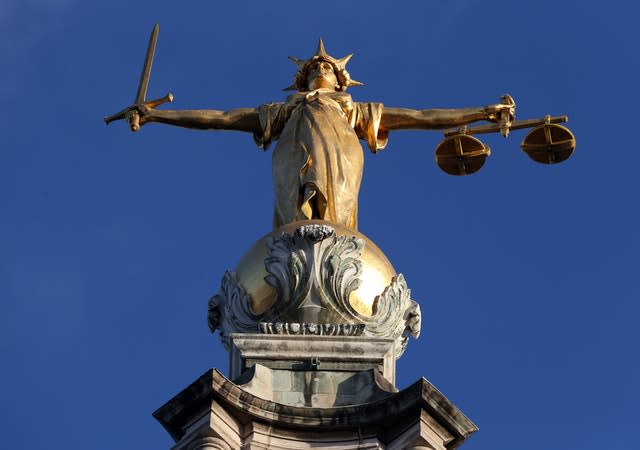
(322, 71)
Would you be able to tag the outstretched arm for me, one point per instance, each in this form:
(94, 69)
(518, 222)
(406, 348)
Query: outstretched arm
(408, 119)
(242, 119)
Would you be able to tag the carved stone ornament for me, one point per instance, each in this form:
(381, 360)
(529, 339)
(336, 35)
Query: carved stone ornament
(396, 315)
(230, 310)
(314, 271)
(320, 329)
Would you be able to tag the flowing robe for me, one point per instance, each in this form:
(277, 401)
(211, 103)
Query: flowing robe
(318, 148)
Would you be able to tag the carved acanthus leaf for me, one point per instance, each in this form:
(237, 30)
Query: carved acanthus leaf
(230, 310)
(313, 272)
(396, 315)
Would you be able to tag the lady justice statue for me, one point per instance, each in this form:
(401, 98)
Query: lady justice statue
(318, 159)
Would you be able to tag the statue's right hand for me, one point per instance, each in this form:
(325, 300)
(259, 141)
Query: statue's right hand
(138, 115)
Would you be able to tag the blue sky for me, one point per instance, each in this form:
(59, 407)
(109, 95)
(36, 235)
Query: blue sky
(111, 242)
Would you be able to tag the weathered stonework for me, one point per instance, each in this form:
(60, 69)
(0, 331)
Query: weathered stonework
(314, 388)
(316, 329)
(215, 413)
(324, 353)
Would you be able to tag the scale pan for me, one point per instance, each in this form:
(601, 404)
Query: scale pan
(549, 144)
(461, 154)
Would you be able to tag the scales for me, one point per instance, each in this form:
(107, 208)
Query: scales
(547, 143)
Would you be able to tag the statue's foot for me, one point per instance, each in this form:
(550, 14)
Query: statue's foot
(309, 193)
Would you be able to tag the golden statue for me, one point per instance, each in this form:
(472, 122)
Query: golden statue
(318, 159)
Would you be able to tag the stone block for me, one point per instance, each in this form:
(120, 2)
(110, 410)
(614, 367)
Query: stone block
(300, 352)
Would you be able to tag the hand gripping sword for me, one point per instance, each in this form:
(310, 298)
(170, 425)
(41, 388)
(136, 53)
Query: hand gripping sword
(130, 113)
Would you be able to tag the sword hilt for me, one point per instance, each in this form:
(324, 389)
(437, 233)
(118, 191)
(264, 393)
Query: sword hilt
(134, 121)
(133, 116)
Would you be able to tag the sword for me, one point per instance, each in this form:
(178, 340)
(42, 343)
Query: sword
(131, 113)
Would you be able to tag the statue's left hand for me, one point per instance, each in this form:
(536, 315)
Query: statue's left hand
(498, 111)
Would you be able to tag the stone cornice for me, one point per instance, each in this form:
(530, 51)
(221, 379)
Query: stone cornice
(196, 400)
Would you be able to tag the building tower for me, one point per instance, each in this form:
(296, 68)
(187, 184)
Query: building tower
(312, 354)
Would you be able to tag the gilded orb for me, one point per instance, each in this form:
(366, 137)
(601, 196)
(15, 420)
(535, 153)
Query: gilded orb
(377, 271)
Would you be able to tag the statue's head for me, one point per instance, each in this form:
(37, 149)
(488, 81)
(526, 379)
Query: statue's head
(321, 74)
(322, 71)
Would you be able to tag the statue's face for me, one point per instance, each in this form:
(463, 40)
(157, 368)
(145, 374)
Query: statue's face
(321, 75)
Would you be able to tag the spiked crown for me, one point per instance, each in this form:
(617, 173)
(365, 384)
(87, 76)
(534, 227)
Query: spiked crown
(339, 68)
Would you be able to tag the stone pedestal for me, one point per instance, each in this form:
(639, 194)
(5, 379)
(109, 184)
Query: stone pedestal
(314, 320)
(296, 392)
(215, 413)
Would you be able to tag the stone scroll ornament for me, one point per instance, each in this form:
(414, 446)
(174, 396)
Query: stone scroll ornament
(230, 310)
(313, 272)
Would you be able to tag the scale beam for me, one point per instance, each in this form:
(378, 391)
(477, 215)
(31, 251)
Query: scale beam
(515, 125)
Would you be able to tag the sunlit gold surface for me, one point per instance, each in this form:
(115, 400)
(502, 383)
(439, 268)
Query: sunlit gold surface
(377, 271)
(461, 154)
(549, 143)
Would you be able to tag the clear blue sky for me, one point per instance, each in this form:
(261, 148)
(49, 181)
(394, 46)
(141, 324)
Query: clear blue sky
(111, 242)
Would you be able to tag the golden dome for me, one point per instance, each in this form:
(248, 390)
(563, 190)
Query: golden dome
(377, 271)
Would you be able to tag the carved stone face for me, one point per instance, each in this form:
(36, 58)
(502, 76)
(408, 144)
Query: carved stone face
(321, 75)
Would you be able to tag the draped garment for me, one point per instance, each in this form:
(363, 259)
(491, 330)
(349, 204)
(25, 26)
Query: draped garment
(318, 150)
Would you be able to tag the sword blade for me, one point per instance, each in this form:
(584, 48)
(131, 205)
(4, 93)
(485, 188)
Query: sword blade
(141, 95)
